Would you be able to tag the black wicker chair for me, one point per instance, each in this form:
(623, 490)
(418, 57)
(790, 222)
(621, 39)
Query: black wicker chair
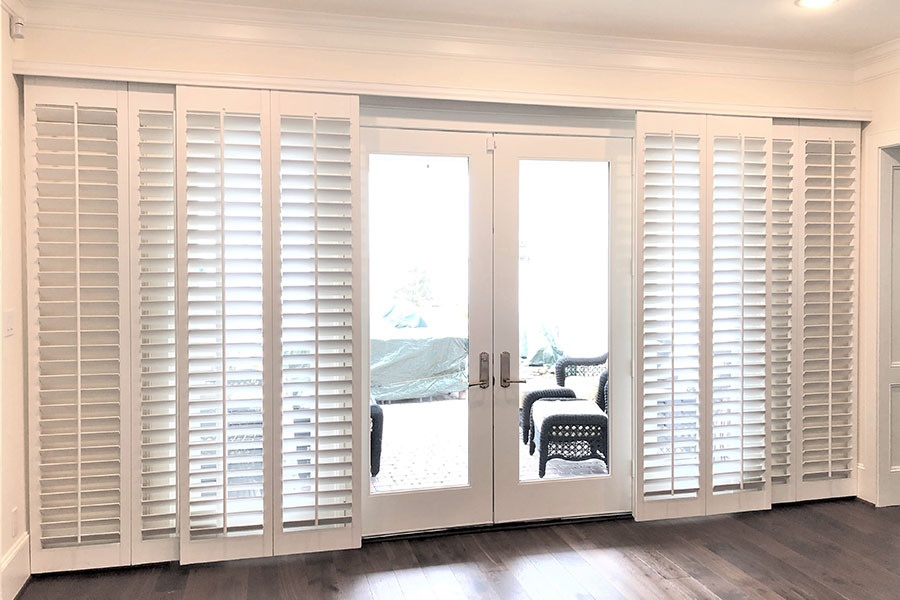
(563, 426)
(377, 416)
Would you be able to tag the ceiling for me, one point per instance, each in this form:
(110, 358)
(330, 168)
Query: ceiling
(848, 26)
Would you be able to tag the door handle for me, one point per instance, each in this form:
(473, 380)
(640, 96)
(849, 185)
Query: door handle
(484, 371)
(505, 381)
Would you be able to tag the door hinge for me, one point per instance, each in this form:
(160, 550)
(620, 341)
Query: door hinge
(490, 143)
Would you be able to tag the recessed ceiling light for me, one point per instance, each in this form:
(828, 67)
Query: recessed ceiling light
(814, 3)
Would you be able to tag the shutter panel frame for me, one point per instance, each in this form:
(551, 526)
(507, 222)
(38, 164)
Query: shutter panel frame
(707, 130)
(752, 136)
(154, 418)
(94, 98)
(237, 105)
(690, 502)
(289, 107)
(844, 140)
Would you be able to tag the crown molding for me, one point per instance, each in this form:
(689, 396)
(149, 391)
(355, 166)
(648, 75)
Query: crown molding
(879, 61)
(14, 7)
(179, 19)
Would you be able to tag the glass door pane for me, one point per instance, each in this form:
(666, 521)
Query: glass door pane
(563, 308)
(419, 319)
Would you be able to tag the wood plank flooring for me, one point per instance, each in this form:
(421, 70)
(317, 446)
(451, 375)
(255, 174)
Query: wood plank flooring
(842, 549)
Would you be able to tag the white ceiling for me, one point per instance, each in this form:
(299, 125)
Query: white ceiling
(848, 26)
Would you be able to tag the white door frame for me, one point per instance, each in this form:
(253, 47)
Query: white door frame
(553, 498)
(417, 510)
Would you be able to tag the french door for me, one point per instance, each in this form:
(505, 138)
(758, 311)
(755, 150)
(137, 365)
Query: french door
(562, 288)
(489, 260)
(427, 203)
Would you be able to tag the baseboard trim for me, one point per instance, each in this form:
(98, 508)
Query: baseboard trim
(15, 569)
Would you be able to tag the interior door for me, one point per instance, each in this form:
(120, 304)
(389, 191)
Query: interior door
(562, 288)
(427, 240)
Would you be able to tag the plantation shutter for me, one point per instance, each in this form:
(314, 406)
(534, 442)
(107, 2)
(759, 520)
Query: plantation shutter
(225, 380)
(154, 294)
(314, 146)
(814, 338)
(77, 255)
(703, 189)
(827, 466)
(671, 170)
(191, 326)
(739, 313)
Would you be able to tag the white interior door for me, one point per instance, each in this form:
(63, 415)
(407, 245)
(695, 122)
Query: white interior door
(562, 287)
(427, 235)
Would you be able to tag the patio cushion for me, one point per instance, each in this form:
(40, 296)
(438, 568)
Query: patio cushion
(584, 386)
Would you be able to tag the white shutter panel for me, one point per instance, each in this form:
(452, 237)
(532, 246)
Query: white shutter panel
(785, 328)
(739, 313)
(704, 314)
(224, 468)
(152, 172)
(78, 324)
(317, 488)
(670, 174)
(830, 182)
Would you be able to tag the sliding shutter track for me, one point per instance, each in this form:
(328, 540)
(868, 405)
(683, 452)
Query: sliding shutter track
(156, 301)
(671, 298)
(739, 249)
(829, 270)
(224, 314)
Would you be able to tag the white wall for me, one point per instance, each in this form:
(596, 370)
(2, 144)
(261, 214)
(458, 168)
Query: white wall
(14, 566)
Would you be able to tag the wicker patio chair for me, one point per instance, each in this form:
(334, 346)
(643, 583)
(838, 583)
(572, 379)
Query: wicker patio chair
(376, 415)
(559, 425)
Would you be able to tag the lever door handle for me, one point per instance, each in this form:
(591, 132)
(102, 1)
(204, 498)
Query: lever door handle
(484, 371)
(505, 381)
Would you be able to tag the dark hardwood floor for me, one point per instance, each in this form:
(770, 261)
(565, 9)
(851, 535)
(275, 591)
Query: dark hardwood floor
(819, 551)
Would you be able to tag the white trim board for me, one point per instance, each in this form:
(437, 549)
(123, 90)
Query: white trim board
(483, 117)
(235, 80)
(15, 568)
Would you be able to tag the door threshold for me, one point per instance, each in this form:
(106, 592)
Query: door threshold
(431, 533)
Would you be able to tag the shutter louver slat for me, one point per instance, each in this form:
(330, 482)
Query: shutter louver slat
(739, 311)
(316, 313)
(156, 322)
(224, 318)
(829, 306)
(78, 329)
(670, 326)
(782, 349)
